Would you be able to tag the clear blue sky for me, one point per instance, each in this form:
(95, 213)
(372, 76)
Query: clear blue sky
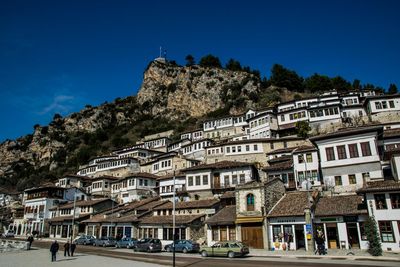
(58, 56)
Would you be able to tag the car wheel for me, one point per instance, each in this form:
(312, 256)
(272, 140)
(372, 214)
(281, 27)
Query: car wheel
(94, 244)
(127, 246)
(231, 254)
(104, 245)
(204, 253)
(84, 243)
(116, 246)
(169, 249)
(185, 250)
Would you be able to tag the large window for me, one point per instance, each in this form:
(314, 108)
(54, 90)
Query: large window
(309, 157)
(353, 151)
(234, 179)
(395, 200)
(380, 201)
(338, 180)
(365, 149)
(190, 180)
(386, 231)
(226, 180)
(330, 154)
(232, 233)
(197, 179)
(215, 234)
(205, 179)
(250, 202)
(352, 179)
(341, 150)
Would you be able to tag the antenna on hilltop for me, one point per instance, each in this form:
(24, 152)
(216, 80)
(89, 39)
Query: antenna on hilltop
(163, 55)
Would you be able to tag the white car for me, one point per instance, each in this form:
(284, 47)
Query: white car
(9, 233)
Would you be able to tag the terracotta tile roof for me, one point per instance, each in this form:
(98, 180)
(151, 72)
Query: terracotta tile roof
(179, 219)
(220, 165)
(281, 150)
(171, 176)
(391, 133)
(291, 204)
(81, 177)
(226, 216)
(81, 203)
(280, 159)
(255, 141)
(301, 149)
(152, 205)
(228, 194)
(67, 218)
(143, 175)
(280, 166)
(107, 177)
(197, 204)
(347, 132)
(380, 186)
(340, 205)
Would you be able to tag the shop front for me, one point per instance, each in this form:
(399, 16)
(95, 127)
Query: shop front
(287, 233)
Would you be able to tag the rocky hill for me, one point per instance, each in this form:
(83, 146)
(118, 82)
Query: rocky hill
(169, 94)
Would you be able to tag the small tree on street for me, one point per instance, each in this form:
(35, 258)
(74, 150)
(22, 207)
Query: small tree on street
(374, 244)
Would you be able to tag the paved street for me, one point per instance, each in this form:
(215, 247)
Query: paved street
(97, 256)
(41, 258)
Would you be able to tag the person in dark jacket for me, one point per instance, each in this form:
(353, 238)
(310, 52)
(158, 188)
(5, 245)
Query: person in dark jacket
(73, 247)
(54, 249)
(66, 249)
(30, 240)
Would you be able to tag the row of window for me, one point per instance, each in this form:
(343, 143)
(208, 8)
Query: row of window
(155, 143)
(223, 233)
(380, 201)
(311, 175)
(324, 112)
(261, 121)
(197, 180)
(164, 164)
(351, 178)
(294, 116)
(113, 163)
(352, 148)
(34, 209)
(195, 147)
(350, 101)
(384, 104)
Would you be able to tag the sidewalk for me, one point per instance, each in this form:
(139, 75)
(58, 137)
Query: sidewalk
(355, 254)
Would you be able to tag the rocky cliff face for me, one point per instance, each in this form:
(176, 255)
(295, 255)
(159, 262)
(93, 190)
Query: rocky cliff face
(168, 91)
(179, 92)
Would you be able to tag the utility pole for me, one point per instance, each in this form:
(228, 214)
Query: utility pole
(173, 225)
(308, 211)
(73, 216)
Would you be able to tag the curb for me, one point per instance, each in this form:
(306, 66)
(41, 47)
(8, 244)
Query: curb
(356, 258)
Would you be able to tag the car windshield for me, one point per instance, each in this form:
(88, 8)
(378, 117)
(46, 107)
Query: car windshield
(235, 245)
(144, 240)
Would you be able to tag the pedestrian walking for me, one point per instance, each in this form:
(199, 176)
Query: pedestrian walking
(73, 247)
(54, 249)
(30, 241)
(66, 249)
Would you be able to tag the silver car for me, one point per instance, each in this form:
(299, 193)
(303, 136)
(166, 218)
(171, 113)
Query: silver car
(84, 240)
(105, 241)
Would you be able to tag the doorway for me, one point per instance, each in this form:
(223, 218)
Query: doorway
(216, 180)
(252, 235)
(332, 235)
(352, 235)
(299, 233)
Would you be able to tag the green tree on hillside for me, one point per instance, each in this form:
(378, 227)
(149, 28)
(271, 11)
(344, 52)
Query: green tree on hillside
(283, 77)
(189, 60)
(392, 89)
(356, 84)
(210, 61)
(318, 83)
(340, 84)
(233, 65)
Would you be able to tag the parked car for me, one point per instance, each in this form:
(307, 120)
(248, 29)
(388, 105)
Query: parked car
(105, 241)
(229, 249)
(148, 245)
(184, 246)
(8, 233)
(126, 242)
(84, 240)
